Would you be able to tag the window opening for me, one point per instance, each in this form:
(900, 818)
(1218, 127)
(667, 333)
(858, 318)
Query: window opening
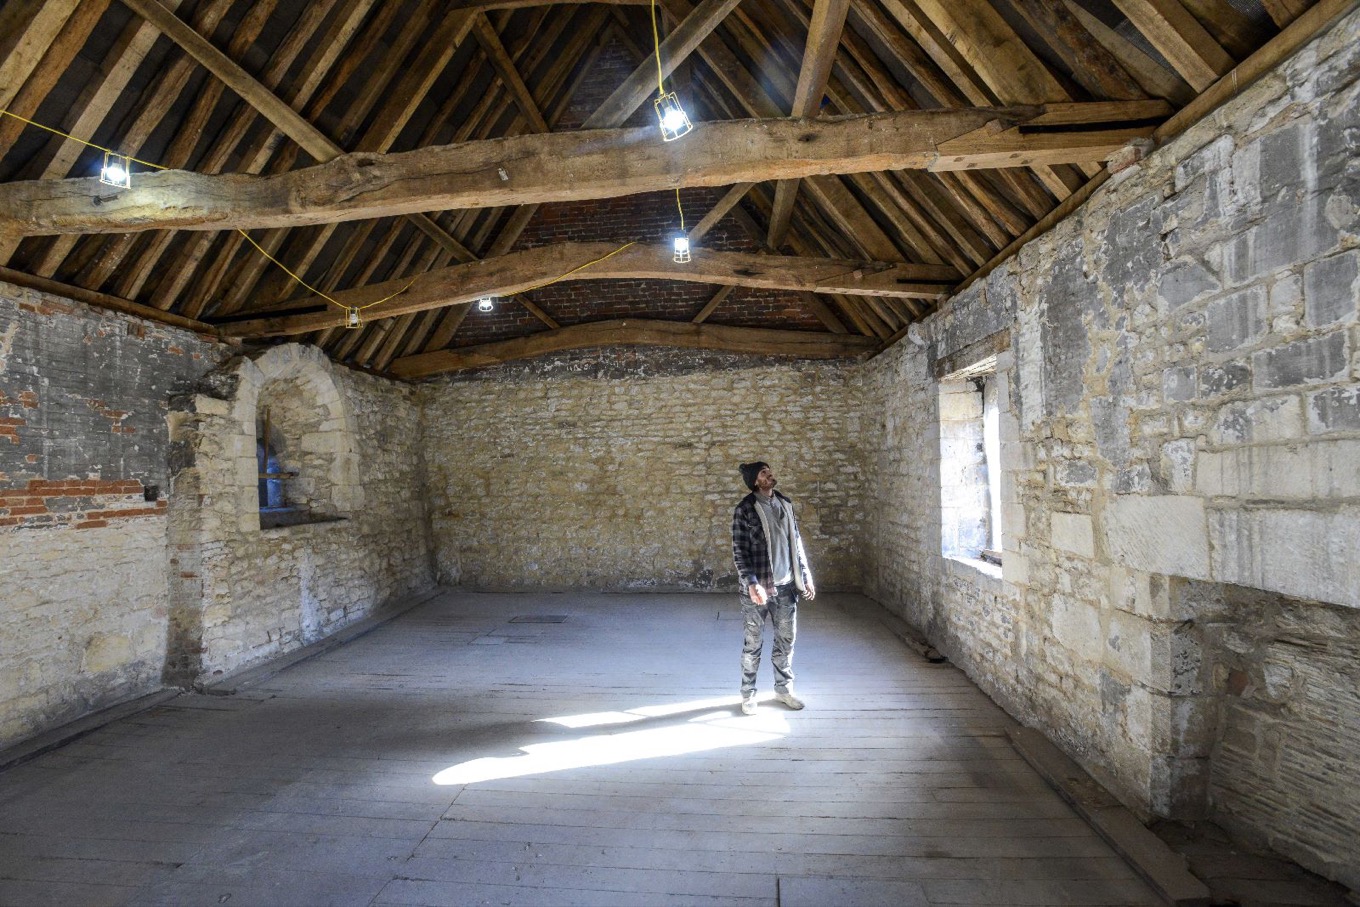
(970, 463)
(272, 475)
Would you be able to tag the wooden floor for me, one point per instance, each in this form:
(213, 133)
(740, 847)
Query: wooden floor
(457, 757)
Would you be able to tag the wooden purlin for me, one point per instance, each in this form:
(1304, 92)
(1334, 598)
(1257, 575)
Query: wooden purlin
(747, 90)
(399, 104)
(639, 85)
(167, 292)
(1151, 76)
(819, 52)
(254, 156)
(587, 49)
(1234, 30)
(974, 197)
(178, 155)
(869, 18)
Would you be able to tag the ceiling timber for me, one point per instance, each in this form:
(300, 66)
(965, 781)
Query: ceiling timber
(852, 163)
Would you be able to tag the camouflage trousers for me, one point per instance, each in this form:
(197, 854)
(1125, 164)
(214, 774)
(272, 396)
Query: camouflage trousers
(781, 609)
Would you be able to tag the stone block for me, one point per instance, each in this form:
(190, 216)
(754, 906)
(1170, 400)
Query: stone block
(1128, 647)
(1293, 232)
(106, 652)
(1178, 465)
(1179, 383)
(1262, 421)
(1185, 280)
(1076, 626)
(1311, 361)
(1332, 289)
(1074, 532)
(1334, 409)
(1237, 320)
(1158, 534)
(1077, 474)
(1216, 380)
(1304, 553)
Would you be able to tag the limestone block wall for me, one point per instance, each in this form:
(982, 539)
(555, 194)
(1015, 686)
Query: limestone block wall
(84, 398)
(243, 594)
(1183, 382)
(626, 477)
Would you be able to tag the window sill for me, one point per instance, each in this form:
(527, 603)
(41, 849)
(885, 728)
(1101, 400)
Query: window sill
(956, 561)
(277, 519)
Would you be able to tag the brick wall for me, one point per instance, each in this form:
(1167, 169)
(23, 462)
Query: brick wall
(1183, 413)
(84, 453)
(627, 479)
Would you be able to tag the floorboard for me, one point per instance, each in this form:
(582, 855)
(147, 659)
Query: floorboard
(453, 757)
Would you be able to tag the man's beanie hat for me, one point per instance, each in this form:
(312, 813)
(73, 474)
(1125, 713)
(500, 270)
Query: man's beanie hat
(749, 471)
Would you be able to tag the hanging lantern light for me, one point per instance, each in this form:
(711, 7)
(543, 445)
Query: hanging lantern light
(486, 304)
(117, 170)
(681, 249)
(674, 122)
(352, 318)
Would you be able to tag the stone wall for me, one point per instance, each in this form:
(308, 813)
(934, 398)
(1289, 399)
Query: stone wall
(244, 594)
(1183, 407)
(84, 454)
(625, 476)
(131, 551)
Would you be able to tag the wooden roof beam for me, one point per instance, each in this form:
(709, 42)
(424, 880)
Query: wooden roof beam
(520, 271)
(579, 165)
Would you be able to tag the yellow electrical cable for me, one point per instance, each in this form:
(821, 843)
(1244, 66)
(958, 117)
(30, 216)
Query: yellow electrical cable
(549, 283)
(261, 249)
(656, 42)
(64, 135)
(661, 93)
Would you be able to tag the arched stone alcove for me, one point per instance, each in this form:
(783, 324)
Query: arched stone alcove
(242, 590)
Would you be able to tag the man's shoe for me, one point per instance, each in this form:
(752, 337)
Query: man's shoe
(789, 699)
(748, 703)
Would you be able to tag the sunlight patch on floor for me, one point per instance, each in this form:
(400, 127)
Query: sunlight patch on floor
(709, 730)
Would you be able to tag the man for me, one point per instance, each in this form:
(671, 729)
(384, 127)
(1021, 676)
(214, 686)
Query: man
(773, 571)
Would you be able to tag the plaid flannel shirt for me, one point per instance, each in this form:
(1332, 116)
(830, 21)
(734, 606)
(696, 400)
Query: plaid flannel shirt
(751, 550)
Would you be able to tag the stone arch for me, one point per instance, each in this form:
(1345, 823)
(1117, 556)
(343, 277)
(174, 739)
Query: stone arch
(215, 503)
(310, 426)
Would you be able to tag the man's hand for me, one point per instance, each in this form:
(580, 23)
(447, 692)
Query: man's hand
(810, 592)
(757, 592)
